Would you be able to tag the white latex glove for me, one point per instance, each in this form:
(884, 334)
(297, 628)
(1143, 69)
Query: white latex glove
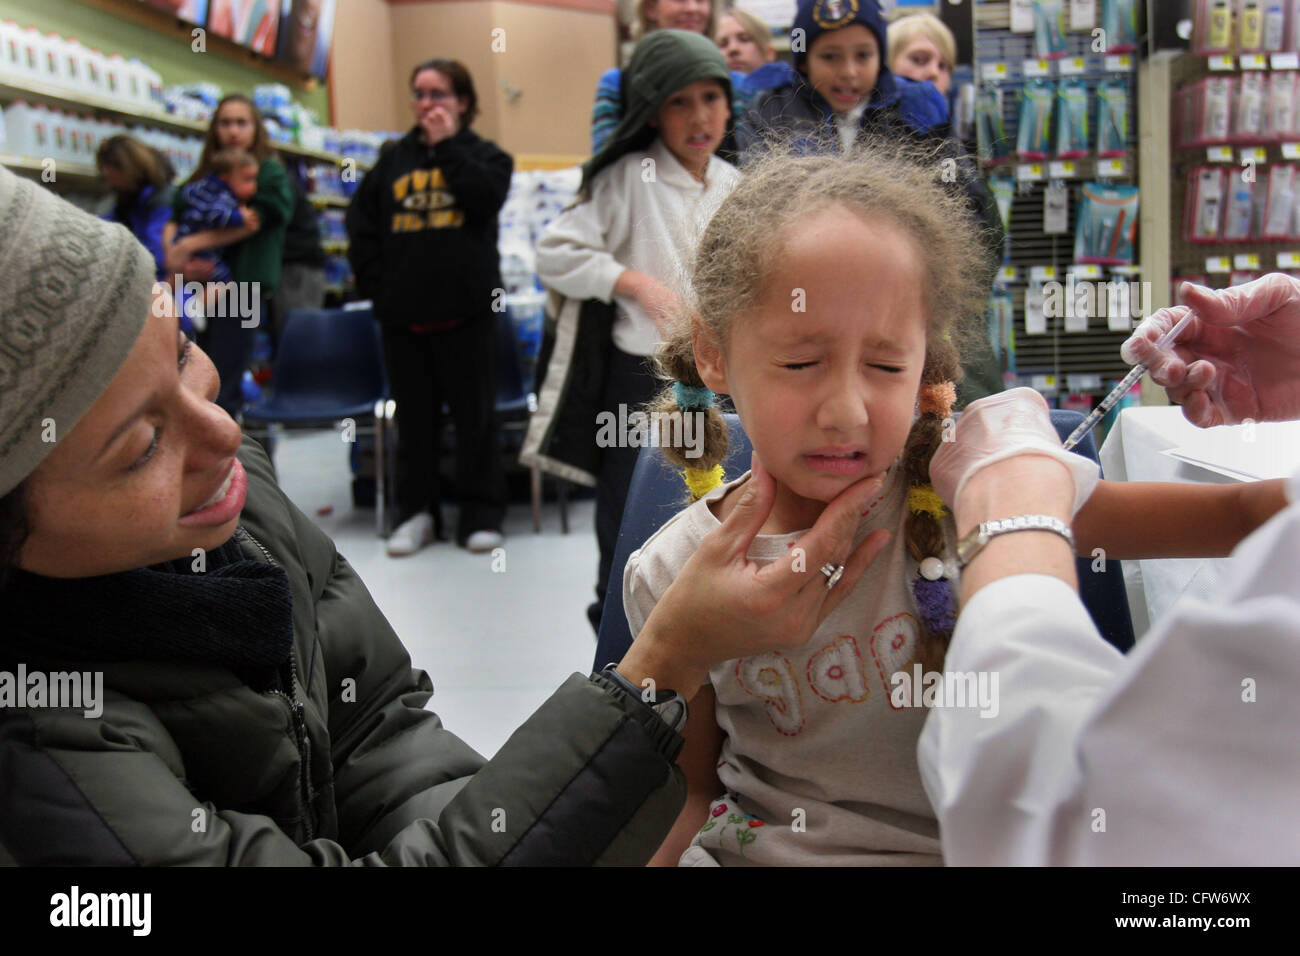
(1014, 422)
(1238, 358)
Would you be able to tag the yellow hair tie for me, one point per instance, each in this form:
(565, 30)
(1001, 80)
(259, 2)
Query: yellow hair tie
(701, 481)
(937, 399)
(923, 499)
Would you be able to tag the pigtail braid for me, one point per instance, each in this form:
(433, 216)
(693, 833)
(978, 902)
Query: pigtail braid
(675, 365)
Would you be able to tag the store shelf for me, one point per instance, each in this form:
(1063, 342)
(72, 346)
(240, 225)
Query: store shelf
(13, 88)
(80, 173)
(334, 245)
(326, 201)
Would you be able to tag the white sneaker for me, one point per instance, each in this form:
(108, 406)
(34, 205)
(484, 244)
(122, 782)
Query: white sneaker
(411, 535)
(482, 541)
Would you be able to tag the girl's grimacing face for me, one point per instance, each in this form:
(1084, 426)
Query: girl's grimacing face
(826, 395)
(147, 474)
(844, 65)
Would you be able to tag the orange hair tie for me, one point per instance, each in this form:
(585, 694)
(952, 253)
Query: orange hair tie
(938, 399)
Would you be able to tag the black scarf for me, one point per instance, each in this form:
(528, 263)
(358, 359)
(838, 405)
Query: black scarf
(237, 613)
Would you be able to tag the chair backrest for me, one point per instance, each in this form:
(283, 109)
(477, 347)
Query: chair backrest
(657, 493)
(330, 353)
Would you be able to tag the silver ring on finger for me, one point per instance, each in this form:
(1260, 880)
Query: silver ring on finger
(833, 574)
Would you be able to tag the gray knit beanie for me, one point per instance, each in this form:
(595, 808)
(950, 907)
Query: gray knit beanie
(75, 292)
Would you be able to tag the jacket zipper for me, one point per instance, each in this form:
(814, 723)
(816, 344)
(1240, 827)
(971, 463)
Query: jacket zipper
(306, 791)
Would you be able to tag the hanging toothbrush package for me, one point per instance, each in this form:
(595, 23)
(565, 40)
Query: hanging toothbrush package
(993, 142)
(1112, 117)
(1072, 139)
(1239, 208)
(1004, 190)
(1204, 204)
(1248, 125)
(1032, 138)
(1280, 112)
(1275, 202)
(1119, 18)
(1049, 29)
(1106, 226)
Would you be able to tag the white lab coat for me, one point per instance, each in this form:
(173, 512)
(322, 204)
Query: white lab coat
(1185, 752)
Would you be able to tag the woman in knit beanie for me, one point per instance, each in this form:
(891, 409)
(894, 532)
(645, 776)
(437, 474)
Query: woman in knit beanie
(189, 671)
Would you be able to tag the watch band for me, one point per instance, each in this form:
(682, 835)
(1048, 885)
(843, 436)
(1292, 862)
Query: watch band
(975, 541)
(668, 705)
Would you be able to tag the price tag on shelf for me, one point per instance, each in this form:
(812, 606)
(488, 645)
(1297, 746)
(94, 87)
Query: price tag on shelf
(1043, 383)
(1063, 169)
(1076, 382)
(1072, 66)
(1125, 270)
(1246, 260)
(1219, 154)
(1221, 63)
(1038, 68)
(1029, 172)
(1042, 273)
(1218, 264)
(1254, 154)
(995, 71)
(1288, 260)
(1119, 63)
(1007, 274)
(1086, 270)
(1291, 150)
(1110, 168)
(1022, 16)
(1285, 61)
(1254, 61)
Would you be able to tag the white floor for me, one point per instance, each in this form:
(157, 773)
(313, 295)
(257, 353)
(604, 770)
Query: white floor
(495, 643)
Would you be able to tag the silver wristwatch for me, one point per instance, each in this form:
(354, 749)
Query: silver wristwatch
(973, 543)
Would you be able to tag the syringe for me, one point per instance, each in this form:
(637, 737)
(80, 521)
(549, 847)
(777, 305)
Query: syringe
(1120, 390)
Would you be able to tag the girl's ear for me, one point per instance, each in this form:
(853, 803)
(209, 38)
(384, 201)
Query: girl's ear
(709, 361)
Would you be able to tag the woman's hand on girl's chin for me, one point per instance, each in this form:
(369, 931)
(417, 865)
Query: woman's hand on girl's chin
(724, 606)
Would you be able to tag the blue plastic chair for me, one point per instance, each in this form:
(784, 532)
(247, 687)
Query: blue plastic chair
(330, 368)
(657, 493)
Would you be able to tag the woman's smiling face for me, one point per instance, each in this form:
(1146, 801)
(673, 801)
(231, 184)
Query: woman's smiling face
(148, 474)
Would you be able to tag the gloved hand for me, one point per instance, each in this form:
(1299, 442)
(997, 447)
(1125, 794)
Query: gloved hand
(999, 426)
(1238, 358)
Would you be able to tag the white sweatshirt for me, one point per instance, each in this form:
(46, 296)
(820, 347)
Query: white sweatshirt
(646, 213)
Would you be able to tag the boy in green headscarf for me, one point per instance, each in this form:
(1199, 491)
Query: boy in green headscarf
(645, 199)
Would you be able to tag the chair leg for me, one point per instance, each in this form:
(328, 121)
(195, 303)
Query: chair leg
(381, 473)
(535, 486)
(562, 492)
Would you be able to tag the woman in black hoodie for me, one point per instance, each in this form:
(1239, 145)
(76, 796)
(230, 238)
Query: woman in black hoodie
(422, 233)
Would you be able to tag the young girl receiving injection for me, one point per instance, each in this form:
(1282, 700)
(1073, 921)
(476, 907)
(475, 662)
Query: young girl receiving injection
(831, 295)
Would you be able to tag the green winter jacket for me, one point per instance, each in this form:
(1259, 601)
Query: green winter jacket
(189, 765)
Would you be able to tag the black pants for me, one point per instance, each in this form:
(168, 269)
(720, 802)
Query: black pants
(457, 367)
(230, 346)
(628, 381)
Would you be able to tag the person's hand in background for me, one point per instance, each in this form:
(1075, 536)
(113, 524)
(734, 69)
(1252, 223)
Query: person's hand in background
(1238, 358)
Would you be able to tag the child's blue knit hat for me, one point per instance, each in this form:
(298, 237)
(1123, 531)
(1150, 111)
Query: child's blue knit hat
(815, 17)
